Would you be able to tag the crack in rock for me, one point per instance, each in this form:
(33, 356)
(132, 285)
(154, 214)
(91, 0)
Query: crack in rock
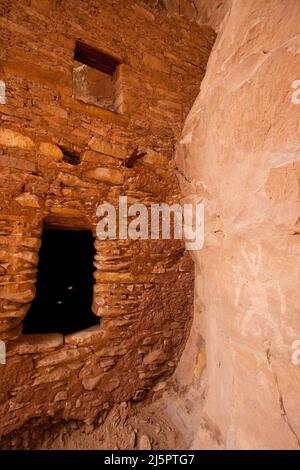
(280, 399)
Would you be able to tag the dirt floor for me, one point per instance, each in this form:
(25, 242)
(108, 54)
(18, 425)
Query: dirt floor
(125, 427)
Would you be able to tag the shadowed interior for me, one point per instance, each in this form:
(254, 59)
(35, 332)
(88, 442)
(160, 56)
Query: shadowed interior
(64, 284)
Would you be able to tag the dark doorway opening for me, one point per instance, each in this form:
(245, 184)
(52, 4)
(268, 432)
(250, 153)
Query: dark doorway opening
(64, 289)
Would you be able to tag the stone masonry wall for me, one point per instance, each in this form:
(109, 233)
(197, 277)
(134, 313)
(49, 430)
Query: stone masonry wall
(140, 287)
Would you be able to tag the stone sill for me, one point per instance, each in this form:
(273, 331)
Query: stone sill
(94, 111)
(38, 343)
(41, 343)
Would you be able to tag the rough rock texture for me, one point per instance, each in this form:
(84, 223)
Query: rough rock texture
(126, 426)
(211, 12)
(204, 12)
(140, 286)
(239, 153)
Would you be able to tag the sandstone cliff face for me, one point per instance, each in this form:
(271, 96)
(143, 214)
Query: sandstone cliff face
(204, 12)
(211, 12)
(240, 155)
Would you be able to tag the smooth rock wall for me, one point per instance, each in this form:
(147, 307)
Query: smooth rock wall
(240, 155)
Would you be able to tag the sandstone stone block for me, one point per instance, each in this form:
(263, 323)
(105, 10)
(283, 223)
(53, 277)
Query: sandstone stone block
(106, 175)
(95, 111)
(107, 364)
(154, 158)
(11, 334)
(27, 256)
(49, 375)
(66, 212)
(15, 295)
(91, 156)
(10, 373)
(109, 385)
(31, 242)
(15, 162)
(89, 383)
(61, 396)
(86, 337)
(51, 150)
(113, 351)
(9, 324)
(112, 150)
(72, 181)
(10, 138)
(155, 63)
(158, 357)
(63, 356)
(122, 278)
(139, 395)
(145, 443)
(32, 344)
(29, 200)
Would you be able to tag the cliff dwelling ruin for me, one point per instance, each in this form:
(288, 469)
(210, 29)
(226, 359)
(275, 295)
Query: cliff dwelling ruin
(140, 343)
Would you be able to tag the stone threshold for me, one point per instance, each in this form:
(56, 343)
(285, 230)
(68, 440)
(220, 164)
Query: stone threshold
(94, 111)
(40, 343)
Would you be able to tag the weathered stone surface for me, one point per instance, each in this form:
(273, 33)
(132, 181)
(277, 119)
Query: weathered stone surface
(157, 356)
(8, 333)
(98, 158)
(139, 395)
(29, 200)
(51, 150)
(238, 152)
(107, 364)
(61, 396)
(31, 344)
(62, 356)
(106, 148)
(50, 375)
(212, 12)
(10, 138)
(111, 351)
(106, 175)
(92, 335)
(72, 180)
(89, 383)
(66, 211)
(109, 384)
(155, 63)
(145, 443)
(76, 163)
(12, 293)
(94, 111)
(11, 377)
(154, 158)
(124, 278)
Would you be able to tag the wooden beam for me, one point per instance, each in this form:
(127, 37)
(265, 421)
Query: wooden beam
(95, 58)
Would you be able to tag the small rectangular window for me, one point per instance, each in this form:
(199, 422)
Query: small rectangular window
(94, 76)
